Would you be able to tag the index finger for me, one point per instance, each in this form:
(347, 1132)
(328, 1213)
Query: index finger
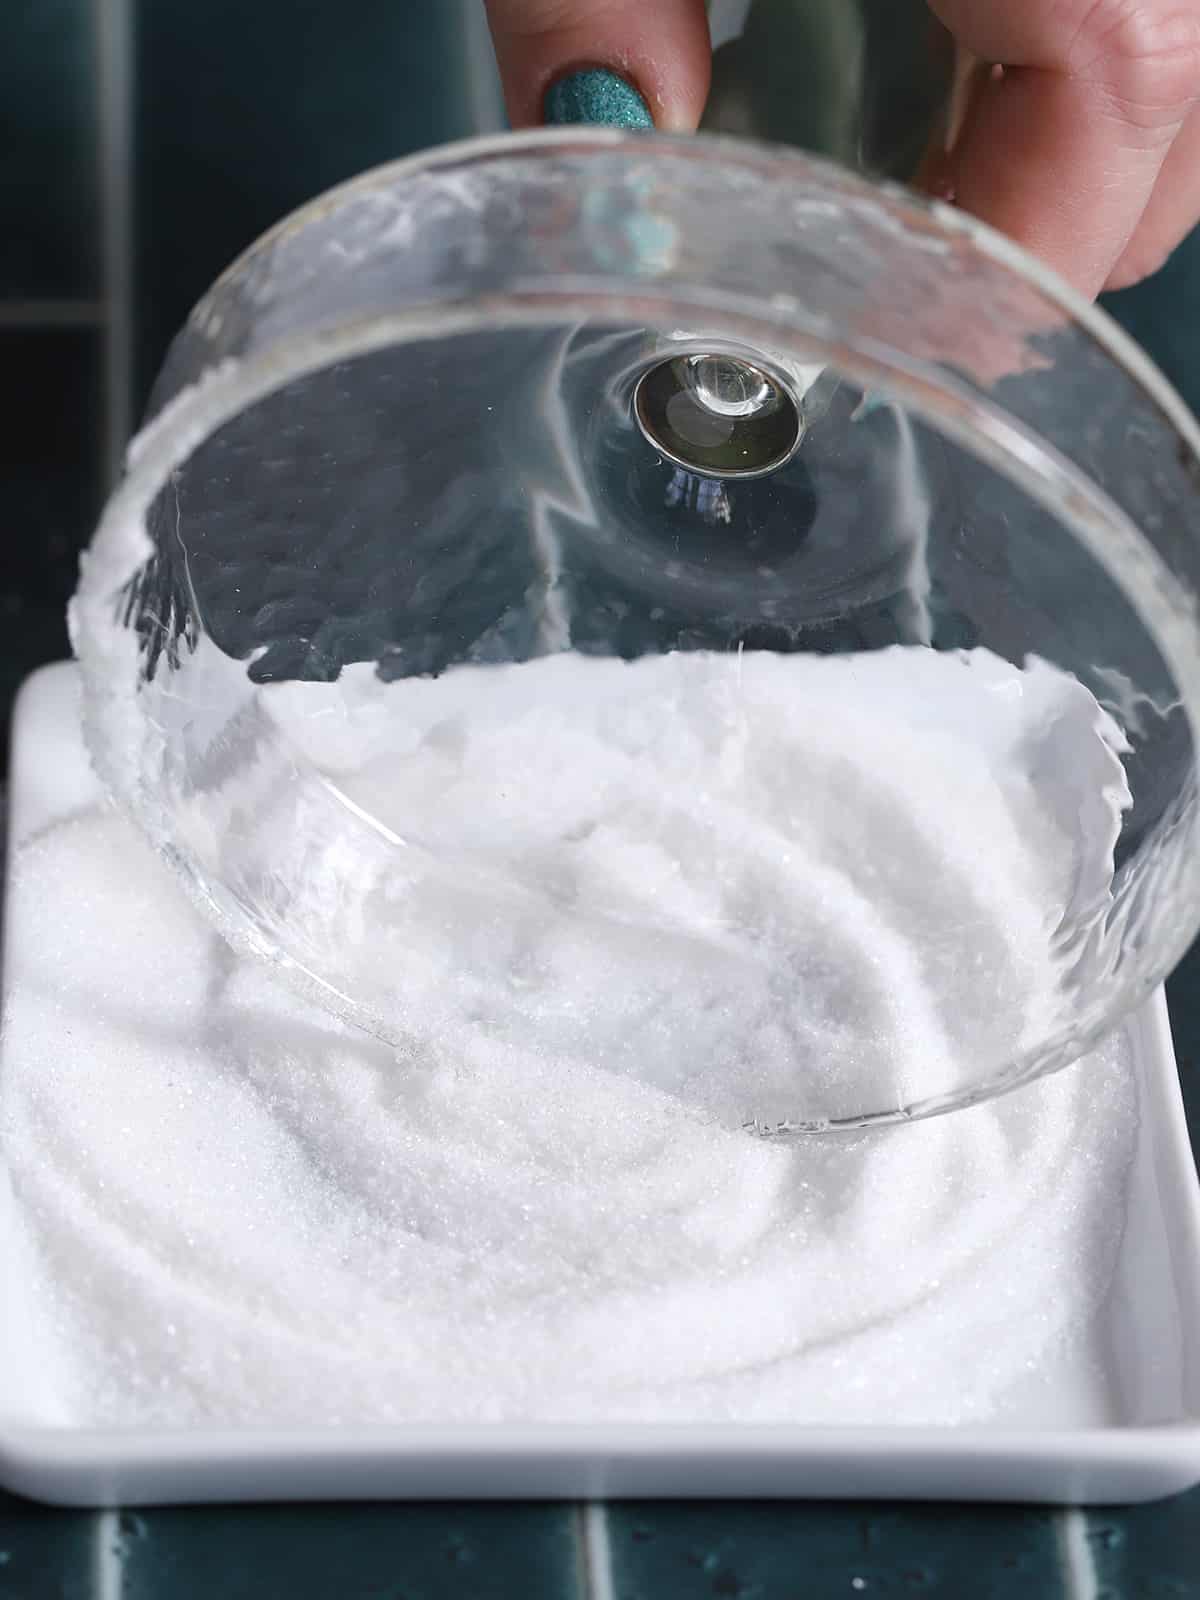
(659, 48)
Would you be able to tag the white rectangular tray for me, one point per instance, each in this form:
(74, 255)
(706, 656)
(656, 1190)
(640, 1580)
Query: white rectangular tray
(1042, 1453)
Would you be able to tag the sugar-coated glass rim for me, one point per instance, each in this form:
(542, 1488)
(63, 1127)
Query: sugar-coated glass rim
(947, 403)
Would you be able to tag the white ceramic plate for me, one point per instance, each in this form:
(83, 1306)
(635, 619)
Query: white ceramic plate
(1047, 1446)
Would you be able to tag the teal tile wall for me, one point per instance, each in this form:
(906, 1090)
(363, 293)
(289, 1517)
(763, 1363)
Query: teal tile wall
(143, 144)
(51, 322)
(1163, 315)
(49, 167)
(51, 483)
(244, 111)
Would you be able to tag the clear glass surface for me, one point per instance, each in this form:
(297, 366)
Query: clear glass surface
(394, 501)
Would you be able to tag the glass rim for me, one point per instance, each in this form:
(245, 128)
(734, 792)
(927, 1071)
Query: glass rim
(957, 410)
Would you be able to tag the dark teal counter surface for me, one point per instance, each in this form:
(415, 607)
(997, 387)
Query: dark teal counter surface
(239, 112)
(660, 1551)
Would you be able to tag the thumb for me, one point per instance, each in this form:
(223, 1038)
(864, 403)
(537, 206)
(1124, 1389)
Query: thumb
(652, 58)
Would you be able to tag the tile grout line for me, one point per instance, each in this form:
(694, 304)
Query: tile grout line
(595, 1551)
(108, 1577)
(113, 29)
(1081, 1581)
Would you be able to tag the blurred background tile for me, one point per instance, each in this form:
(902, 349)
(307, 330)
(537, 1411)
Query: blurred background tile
(51, 469)
(243, 112)
(1163, 315)
(49, 239)
(143, 145)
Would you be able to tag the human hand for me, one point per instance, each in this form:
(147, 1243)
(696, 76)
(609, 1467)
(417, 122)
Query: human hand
(1085, 147)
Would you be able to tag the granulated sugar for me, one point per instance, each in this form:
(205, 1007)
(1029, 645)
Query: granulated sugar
(227, 1206)
(771, 886)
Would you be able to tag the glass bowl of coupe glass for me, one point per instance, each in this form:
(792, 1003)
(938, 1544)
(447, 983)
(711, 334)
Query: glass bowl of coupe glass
(672, 607)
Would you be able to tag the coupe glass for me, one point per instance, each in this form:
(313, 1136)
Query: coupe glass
(398, 520)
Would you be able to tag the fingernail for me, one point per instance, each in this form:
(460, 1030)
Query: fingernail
(596, 95)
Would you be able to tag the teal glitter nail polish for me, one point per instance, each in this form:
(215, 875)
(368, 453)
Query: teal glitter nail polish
(596, 95)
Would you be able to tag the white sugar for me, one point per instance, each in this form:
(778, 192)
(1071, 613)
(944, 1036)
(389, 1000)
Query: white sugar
(770, 886)
(227, 1206)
